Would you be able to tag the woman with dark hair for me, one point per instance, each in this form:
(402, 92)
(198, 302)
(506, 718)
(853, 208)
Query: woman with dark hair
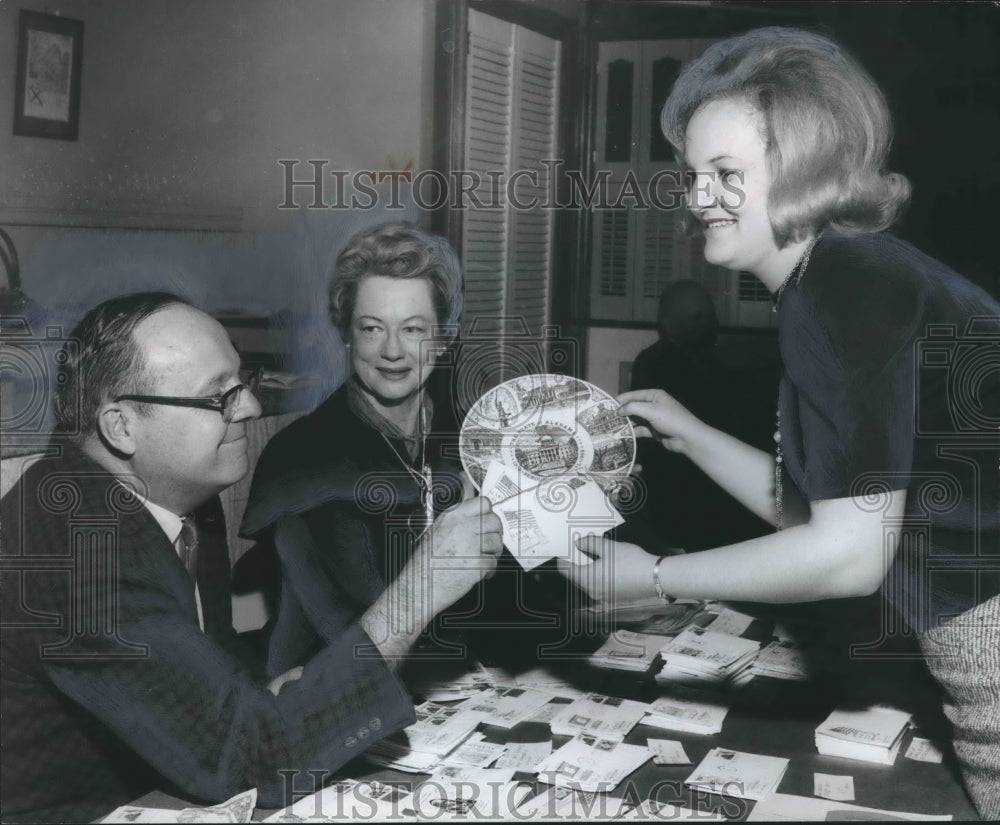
(886, 471)
(344, 493)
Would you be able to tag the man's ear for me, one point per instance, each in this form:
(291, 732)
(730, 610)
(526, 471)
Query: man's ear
(116, 426)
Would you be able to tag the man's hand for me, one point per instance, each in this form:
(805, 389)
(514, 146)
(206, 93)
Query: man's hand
(457, 552)
(460, 549)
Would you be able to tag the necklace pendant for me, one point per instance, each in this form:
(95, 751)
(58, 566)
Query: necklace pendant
(427, 483)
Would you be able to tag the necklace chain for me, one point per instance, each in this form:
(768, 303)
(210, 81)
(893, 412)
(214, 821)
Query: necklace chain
(795, 275)
(424, 479)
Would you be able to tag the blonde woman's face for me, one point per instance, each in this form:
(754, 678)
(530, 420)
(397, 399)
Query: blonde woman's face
(392, 344)
(729, 185)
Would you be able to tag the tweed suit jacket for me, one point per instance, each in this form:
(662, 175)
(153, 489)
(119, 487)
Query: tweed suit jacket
(111, 688)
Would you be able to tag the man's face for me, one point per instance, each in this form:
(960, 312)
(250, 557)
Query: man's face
(186, 455)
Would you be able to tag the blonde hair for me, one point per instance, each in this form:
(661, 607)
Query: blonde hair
(398, 250)
(827, 128)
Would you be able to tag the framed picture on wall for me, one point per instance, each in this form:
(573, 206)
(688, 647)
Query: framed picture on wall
(49, 58)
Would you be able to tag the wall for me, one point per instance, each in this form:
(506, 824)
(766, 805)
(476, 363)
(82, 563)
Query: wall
(186, 108)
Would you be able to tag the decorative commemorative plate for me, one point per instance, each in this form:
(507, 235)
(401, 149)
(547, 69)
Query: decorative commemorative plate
(545, 426)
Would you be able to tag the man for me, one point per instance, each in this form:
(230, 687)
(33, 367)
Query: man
(120, 669)
(683, 504)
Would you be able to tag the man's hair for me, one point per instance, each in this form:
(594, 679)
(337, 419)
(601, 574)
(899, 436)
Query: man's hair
(397, 250)
(686, 315)
(827, 128)
(103, 360)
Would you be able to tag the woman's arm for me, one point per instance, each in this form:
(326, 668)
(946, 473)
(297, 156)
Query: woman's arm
(844, 550)
(744, 472)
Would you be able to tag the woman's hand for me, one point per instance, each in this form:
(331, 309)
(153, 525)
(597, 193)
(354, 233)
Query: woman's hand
(621, 572)
(665, 418)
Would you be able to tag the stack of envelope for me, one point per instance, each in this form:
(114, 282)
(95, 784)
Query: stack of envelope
(438, 731)
(699, 656)
(686, 715)
(627, 650)
(872, 735)
(782, 660)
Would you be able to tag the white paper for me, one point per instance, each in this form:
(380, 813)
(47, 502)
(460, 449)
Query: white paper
(439, 729)
(877, 726)
(590, 763)
(476, 754)
(469, 794)
(346, 801)
(628, 650)
(788, 808)
(539, 678)
(831, 786)
(735, 773)
(668, 752)
(731, 622)
(782, 660)
(524, 757)
(561, 804)
(689, 716)
(506, 706)
(545, 521)
(237, 809)
(651, 810)
(923, 750)
(606, 716)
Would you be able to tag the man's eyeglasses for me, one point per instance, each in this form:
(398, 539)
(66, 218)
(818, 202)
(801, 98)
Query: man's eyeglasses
(225, 404)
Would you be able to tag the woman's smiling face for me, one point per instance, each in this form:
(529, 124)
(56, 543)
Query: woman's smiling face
(391, 338)
(730, 180)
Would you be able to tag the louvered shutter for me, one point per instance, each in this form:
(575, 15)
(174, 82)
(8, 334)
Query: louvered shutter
(536, 84)
(488, 126)
(511, 126)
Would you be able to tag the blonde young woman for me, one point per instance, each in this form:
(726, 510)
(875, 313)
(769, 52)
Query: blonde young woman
(889, 405)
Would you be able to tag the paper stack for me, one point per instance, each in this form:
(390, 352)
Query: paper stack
(588, 763)
(345, 801)
(730, 621)
(605, 716)
(466, 795)
(685, 715)
(782, 660)
(699, 656)
(419, 747)
(735, 773)
(872, 735)
(506, 706)
(561, 804)
(462, 683)
(626, 650)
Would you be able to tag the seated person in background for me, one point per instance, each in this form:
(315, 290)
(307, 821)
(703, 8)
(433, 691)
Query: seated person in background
(683, 506)
(120, 669)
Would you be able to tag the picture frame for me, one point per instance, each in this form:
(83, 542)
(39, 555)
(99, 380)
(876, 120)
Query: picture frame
(49, 62)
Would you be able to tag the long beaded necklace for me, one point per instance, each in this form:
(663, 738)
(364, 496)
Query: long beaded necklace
(793, 277)
(424, 479)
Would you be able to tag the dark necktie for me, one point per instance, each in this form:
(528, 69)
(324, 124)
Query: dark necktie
(189, 551)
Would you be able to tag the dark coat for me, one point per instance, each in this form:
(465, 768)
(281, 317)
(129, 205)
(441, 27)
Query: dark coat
(110, 687)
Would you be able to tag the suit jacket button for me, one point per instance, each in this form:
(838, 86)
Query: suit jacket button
(362, 733)
(375, 723)
(350, 742)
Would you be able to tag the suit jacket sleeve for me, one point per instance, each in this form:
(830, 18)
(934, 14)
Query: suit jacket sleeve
(189, 707)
